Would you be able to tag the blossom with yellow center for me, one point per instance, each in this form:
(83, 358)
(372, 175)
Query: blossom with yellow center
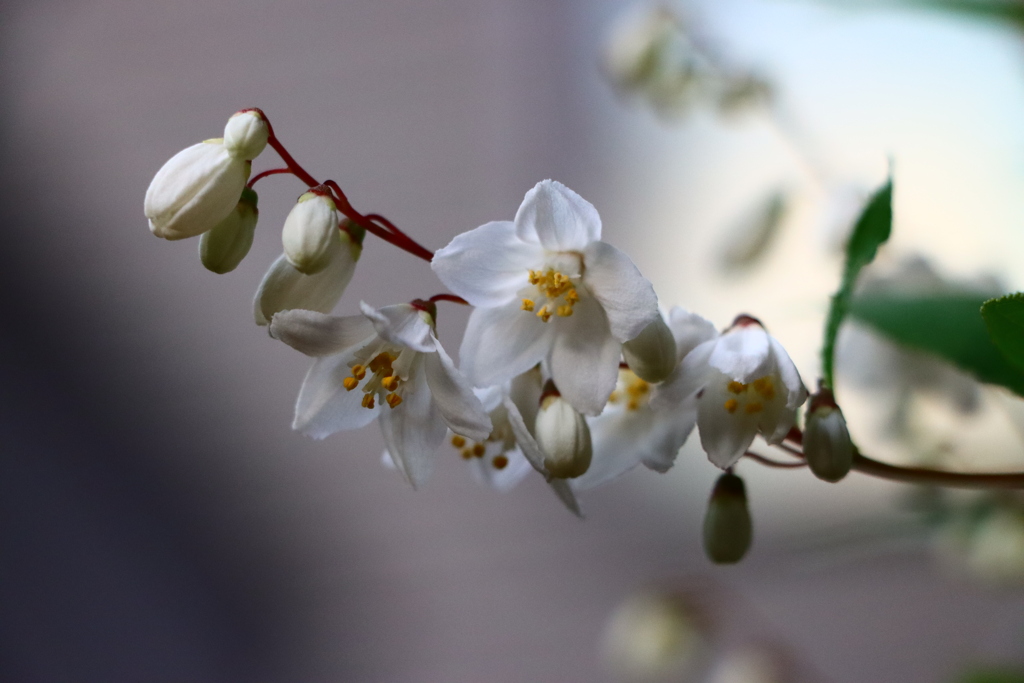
(546, 289)
(385, 357)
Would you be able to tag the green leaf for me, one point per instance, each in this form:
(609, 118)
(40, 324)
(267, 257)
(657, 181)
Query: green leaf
(1004, 318)
(872, 230)
(991, 675)
(946, 325)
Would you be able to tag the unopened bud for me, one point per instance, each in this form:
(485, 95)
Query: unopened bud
(827, 445)
(223, 247)
(564, 436)
(728, 530)
(246, 134)
(651, 355)
(311, 232)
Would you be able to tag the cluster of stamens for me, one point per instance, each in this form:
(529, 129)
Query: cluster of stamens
(383, 380)
(478, 450)
(559, 291)
(634, 391)
(751, 397)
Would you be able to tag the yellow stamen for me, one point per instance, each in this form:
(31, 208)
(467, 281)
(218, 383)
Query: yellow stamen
(737, 387)
(466, 454)
(731, 405)
(389, 383)
(544, 314)
(765, 387)
(565, 311)
(500, 462)
(527, 305)
(572, 297)
(479, 450)
(358, 371)
(368, 401)
(753, 408)
(350, 383)
(458, 441)
(614, 397)
(633, 404)
(393, 400)
(381, 364)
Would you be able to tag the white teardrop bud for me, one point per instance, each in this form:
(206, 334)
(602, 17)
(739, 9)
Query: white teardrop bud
(246, 134)
(223, 247)
(284, 288)
(651, 355)
(195, 190)
(564, 436)
(311, 232)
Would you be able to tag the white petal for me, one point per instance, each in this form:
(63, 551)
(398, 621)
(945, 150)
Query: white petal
(585, 358)
(324, 405)
(489, 265)
(317, 334)
(514, 471)
(561, 219)
(460, 409)
(194, 191)
(403, 325)
(503, 342)
(688, 378)
(689, 330)
(724, 436)
(284, 288)
(413, 431)
(797, 392)
(669, 432)
(626, 296)
(615, 435)
(743, 354)
(565, 494)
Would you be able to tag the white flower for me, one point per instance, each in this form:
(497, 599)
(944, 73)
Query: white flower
(195, 190)
(224, 246)
(634, 428)
(547, 289)
(246, 134)
(311, 231)
(387, 356)
(284, 288)
(745, 384)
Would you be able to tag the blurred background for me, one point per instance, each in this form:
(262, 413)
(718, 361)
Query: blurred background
(161, 522)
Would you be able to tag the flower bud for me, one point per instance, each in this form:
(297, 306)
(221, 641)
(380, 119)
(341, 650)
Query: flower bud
(651, 355)
(564, 436)
(223, 247)
(195, 190)
(284, 288)
(827, 445)
(728, 529)
(246, 134)
(311, 232)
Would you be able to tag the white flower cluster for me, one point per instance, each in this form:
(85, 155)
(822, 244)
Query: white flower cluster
(567, 365)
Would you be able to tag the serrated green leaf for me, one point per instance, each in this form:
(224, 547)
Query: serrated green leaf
(946, 325)
(872, 230)
(1004, 318)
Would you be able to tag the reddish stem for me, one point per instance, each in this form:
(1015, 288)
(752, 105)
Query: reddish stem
(774, 463)
(264, 174)
(397, 238)
(448, 297)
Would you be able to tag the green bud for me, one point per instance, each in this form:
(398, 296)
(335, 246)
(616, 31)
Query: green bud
(727, 526)
(223, 247)
(651, 355)
(827, 445)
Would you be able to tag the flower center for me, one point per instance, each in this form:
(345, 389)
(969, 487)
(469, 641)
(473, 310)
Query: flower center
(500, 440)
(630, 391)
(385, 371)
(749, 399)
(552, 292)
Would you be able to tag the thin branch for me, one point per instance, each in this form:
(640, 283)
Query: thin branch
(264, 174)
(448, 297)
(774, 463)
(914, 475)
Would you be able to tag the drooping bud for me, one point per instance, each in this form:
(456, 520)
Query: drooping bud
(311, 231)
(195, 190)
(728, 530)
(223, 247)
(284, 288)
(564, 436)
(651, 355)
(246, 134)
(827, 445)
